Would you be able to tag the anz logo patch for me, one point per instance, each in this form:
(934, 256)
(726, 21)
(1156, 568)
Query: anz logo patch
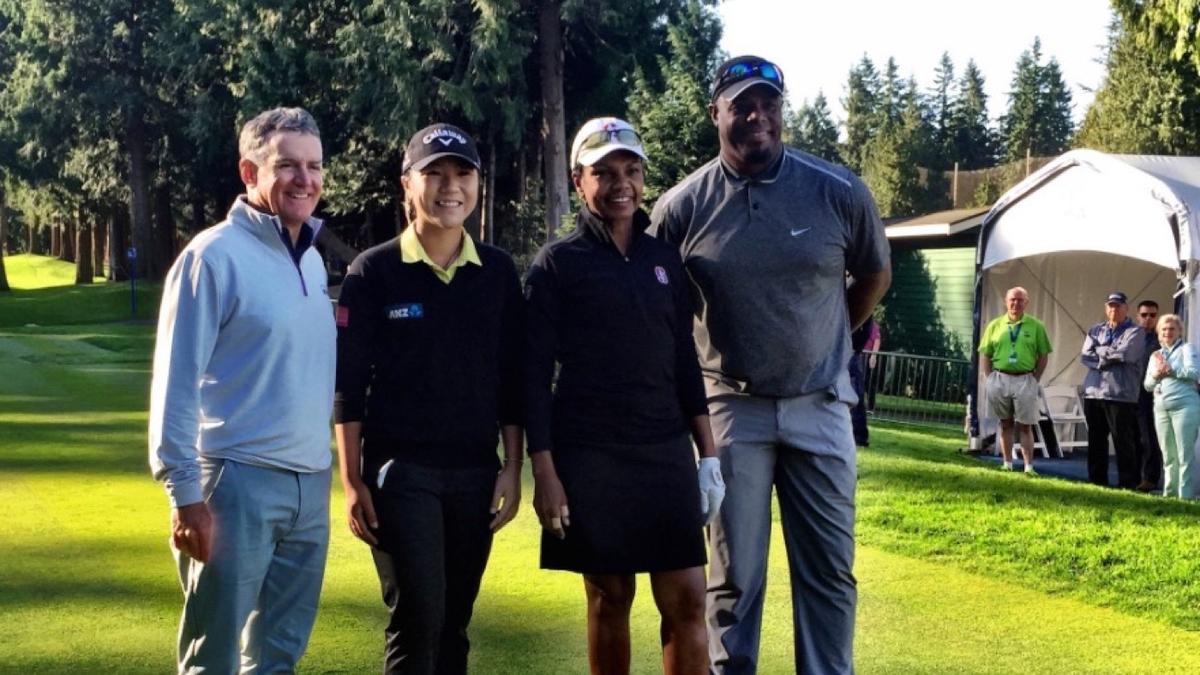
(405, 310)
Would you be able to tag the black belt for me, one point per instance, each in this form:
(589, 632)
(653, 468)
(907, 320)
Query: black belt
(1006, 372)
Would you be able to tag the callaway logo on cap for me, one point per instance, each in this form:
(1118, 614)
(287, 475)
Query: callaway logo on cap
(445, 136)
(437, 141)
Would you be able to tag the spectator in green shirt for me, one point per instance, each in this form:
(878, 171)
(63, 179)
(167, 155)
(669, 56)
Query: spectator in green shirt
(1013, 351)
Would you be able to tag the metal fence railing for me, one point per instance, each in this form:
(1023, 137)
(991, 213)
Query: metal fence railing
(924, 390)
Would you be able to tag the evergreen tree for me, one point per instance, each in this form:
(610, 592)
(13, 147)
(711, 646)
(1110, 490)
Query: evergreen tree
(1018, 127)
(892, 157)
(1164, 26)
(919, 128)
(1053, 111)
(941, 104)
(8, 141)
(971, 138)
(673, 120)
(125, 113)
(813, 130)
(862, 106)
(1149, 102)
(891, 95)
(86, 72)
(1038, 120)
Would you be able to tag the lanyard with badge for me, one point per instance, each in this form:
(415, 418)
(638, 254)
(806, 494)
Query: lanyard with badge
(1012, 339)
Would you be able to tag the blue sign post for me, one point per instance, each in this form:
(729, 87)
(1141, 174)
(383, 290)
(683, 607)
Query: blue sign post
(131, 256)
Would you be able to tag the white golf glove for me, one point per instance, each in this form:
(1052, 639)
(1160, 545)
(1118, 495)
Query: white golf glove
(712, 488)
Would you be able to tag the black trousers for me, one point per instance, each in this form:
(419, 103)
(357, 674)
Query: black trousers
(858, 414)
(1149, 453)
(1120, 420)
(434, 543)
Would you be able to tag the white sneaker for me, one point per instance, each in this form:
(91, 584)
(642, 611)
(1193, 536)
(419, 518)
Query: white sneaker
(1008, 466)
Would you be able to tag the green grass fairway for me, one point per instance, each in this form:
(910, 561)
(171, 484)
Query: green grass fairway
(28, 272)
(44, 294)
(961, 568)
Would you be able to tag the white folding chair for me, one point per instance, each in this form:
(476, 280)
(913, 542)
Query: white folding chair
(1061, 405)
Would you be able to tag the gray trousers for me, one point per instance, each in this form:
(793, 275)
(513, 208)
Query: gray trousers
(251, 607)
(804, 448)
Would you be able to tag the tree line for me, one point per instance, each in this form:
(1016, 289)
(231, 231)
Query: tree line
(118, 118)
(904, 140)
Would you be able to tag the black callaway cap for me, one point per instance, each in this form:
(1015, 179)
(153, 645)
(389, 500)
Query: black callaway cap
(436, 141)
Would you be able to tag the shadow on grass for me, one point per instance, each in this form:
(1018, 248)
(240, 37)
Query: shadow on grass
(510, 643)
(94, 463)
(61, 305)
(120, 570)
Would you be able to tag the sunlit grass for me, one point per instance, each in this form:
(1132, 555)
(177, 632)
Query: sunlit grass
(27, 272)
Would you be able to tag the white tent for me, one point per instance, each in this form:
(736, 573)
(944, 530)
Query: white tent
(1084, 225)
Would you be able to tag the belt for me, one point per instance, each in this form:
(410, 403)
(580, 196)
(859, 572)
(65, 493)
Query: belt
(1006, 372)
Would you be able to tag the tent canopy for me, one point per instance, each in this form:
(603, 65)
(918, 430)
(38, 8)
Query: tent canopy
(1084, 225)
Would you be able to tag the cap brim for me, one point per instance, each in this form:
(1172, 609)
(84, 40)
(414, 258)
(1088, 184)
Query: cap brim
(426, 161)
(592, 155)
(738, 88)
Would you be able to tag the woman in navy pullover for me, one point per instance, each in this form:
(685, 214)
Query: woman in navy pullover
(616, 484)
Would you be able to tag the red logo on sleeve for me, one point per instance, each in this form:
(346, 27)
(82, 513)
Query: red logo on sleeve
(343, 316)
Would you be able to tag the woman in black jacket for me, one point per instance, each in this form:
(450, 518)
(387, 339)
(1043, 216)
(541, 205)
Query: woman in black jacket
(616, 484)
(427, 378)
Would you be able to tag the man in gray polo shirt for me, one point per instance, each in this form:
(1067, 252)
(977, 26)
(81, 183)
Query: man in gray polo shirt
(768, 234)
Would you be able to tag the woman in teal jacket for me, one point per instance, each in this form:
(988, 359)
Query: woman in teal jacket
(1172, 375)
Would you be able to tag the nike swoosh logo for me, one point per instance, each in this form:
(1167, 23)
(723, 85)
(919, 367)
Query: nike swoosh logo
(797, 233)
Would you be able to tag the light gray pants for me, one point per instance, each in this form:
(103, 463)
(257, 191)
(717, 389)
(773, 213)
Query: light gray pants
(251, 607)
(804, 447)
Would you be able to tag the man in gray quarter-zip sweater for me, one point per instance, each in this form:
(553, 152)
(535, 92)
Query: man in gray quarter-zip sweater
(239, 410)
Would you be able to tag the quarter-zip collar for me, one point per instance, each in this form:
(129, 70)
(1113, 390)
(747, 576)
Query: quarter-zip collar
(268, 229)
(596, 229)
(1168, 351)
(265, 226)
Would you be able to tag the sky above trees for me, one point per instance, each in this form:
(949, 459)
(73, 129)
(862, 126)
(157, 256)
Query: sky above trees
(817, 44)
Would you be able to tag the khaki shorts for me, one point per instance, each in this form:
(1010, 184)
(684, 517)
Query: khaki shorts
(1014, 397)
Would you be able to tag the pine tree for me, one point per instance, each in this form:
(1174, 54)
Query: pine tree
(1038, 121)
(1053, 111)
(891, 95)
(813, 130)
(1018, 125)
(862, 106)
(1149, 102)
(892, 157)
(673, 121)
(1165, 26)
(971, 138)
(942, 112)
